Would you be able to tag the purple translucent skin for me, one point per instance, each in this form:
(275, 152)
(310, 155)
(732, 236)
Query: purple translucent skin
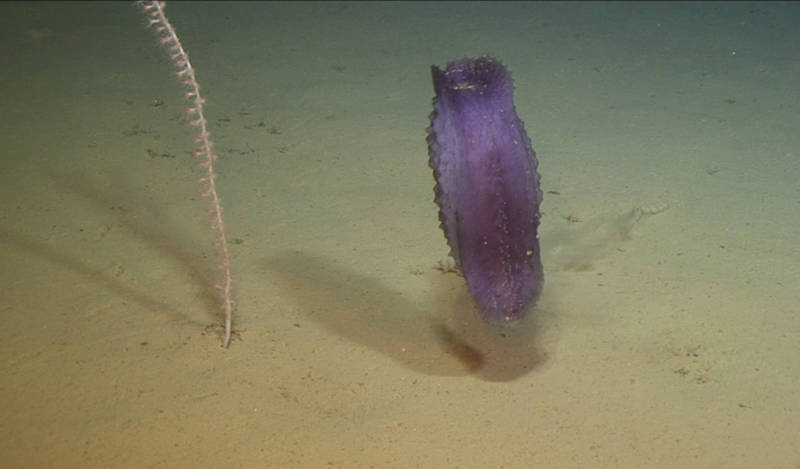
(487, 186)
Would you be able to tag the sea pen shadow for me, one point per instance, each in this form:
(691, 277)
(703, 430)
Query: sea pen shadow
(149, 224)
(366, 311)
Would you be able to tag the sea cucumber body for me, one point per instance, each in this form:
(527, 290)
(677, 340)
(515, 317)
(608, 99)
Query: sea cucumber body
(487, 186)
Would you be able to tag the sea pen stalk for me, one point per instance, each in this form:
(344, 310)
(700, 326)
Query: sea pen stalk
(204, 154)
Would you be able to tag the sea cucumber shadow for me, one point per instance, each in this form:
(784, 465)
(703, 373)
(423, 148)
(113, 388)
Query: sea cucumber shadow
(488, 352)
(367, 311)
(360, 308)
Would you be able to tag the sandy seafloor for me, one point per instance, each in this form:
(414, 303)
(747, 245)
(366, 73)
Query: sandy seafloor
(668, 332)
